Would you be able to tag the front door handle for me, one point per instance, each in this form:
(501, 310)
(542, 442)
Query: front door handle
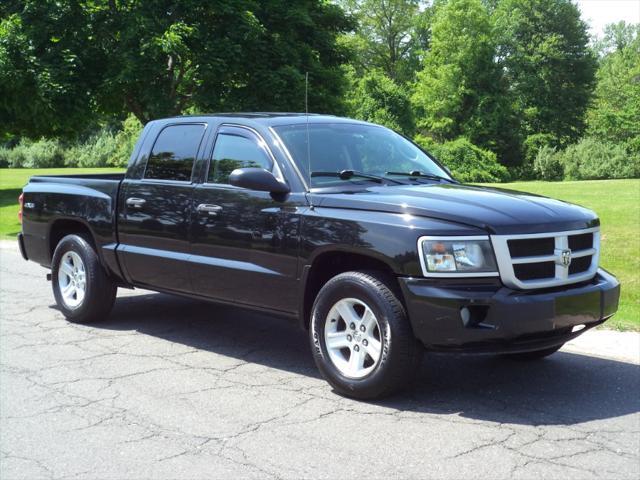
(136, 202)
(207, 209)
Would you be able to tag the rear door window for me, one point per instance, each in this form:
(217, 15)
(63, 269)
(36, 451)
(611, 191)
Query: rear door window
(174, 153)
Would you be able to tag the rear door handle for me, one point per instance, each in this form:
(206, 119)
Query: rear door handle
(136, 202)
(212, 210)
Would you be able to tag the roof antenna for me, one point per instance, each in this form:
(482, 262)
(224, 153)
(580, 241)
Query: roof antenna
(306, 109)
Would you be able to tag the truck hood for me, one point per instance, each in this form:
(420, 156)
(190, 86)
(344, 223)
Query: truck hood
(497, 211)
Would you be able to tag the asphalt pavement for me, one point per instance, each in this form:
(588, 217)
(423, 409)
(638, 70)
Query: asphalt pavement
(174, 388)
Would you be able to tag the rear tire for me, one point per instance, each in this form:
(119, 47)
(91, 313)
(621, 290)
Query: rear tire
(361, 339)
(82, 289)
(535, 355)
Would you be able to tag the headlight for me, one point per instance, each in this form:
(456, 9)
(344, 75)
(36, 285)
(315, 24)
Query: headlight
(452, 255)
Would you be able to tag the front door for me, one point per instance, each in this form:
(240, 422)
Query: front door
(244, 246)
(156, 211)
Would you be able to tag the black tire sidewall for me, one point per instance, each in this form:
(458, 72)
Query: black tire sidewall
(361, 288)
(77, 244)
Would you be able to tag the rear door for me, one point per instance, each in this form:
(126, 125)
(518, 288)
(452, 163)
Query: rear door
(244, 241)
(156, 210)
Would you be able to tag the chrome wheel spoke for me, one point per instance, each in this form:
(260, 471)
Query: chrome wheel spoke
(66, 268)
(72, 279)
(68, 290)
(337, 340)
(373, 348)
(347, 312)
(356, 361)
(352, 338)
(369, 320)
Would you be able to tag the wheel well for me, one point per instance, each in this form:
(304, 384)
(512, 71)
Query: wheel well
(328, 265)
(62, 228)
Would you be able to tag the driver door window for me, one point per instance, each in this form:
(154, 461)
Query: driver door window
(235, 151)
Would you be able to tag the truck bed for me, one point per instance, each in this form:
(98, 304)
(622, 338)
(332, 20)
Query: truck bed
(90, 199)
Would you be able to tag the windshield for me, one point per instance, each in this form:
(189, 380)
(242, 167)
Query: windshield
(364, 151)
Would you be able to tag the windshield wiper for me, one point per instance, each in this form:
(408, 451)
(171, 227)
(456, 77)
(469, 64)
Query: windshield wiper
(349, 174)
(419, 174)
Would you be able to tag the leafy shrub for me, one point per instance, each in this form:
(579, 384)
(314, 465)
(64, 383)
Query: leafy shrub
(530, 148)
(5, 154)
(467, 162)
(43, 153)
(95, 152)
(378, 99)
(548, 165)
(533, 143)
(125, 141)
(591, 158)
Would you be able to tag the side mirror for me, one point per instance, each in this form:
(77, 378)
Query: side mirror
(257, 179)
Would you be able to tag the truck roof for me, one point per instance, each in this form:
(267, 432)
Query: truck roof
(266, 118)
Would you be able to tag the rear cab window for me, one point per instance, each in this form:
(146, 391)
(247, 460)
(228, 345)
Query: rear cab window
(174, 152)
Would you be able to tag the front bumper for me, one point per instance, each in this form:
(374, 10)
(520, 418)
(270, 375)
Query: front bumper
(490, 318)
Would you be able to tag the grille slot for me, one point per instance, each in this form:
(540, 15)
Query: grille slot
(581, 242)
(535, 271)
(579, 265)
(529, 247)
(547, 259)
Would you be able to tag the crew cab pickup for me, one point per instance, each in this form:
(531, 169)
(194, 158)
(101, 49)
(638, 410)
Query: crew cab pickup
(345, 227)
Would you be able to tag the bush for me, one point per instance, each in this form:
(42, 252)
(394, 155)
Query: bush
(378, 99)
(44, 153)
(548, 165)
(592, 159)
(467, 162)
(5, 154)
(95, 152)
(126, 141)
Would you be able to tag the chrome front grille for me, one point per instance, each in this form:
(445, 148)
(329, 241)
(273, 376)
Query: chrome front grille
(544, 260)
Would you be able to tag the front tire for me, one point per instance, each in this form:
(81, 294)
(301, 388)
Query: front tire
(82, 289)
(360, 336)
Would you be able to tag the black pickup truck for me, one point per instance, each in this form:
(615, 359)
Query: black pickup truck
(345, 227)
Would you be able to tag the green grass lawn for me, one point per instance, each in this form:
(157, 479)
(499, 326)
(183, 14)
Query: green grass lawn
(617, 202)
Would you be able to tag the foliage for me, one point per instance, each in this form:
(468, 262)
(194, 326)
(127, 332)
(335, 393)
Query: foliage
(389, 36)
(125, 141)
(467, 162)
(376, 98)
(43, 153)
(592, 158)
(548, 164)
(615, 114)
(588, 159)
(95, 152)
(82, 59)
(44, 88)
(459, 91)
(542, 47)
(102, 149)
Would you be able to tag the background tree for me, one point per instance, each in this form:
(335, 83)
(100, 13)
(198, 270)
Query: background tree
(460, 90)
(615, 113)
(162, 57)
(378, 99)
(47, 75)
(543, 49)
(389, 37)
